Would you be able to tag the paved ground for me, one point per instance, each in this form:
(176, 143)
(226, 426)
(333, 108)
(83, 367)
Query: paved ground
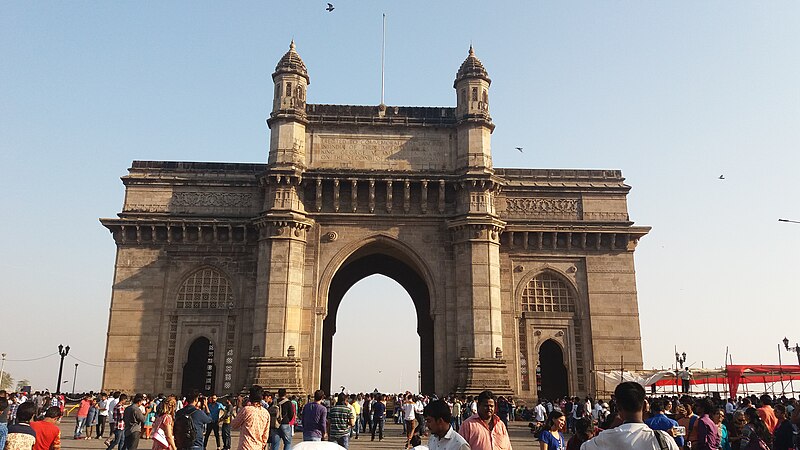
(521, 439)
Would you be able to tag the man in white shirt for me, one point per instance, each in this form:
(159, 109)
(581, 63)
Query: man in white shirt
(633, 433)
(539, 413)
(102, 415)
(597, 410)
(730, 408)
(443, 436)
(112, 403)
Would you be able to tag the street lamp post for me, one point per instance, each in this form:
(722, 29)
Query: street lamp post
(2, 366)
(680, 358)
(795, 349)
(63, 352)
(75, 379)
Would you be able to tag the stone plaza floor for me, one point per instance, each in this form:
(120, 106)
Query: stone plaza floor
(521, 439)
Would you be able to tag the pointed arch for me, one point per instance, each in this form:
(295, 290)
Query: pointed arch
(384, 255)
(376, 244)
(199, 371)
(552, 371)
(205, 288)
(548, 291)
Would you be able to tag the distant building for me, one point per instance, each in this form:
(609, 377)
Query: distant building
(232, 274)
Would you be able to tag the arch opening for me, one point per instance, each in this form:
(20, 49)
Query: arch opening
(554, 382)
(383, 260)
(376, 324)
(199, 372)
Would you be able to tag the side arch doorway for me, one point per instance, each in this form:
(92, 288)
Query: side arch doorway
(199, 372)
(383, 259)
(554, 382)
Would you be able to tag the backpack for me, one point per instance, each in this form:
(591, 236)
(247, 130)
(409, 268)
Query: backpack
(184, 431)
(276, 413)
(275, 416)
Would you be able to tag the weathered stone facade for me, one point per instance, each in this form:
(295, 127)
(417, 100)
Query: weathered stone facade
(257, 257)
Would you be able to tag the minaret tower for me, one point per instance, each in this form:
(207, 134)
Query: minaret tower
(475, 231)
(287, 121)
(278, 353)
(472, 112)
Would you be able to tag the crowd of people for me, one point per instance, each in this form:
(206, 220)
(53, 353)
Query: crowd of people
(629, 420)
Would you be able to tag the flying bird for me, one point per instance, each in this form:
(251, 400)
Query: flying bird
(330, 7)
(722, 177)
(519, 148)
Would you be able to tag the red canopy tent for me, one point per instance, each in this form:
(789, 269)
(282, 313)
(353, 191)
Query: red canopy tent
(759, 374)
(734, 375)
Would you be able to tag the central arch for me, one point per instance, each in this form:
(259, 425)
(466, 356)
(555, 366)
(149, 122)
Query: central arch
(381, 257)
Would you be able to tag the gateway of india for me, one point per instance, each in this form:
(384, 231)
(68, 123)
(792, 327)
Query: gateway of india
(231, 274)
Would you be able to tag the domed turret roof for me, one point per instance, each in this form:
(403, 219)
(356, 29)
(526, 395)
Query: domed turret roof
(291, 63)
(472, 67)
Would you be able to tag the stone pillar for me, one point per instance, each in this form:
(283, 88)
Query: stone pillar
(279, 288)
(476, 250)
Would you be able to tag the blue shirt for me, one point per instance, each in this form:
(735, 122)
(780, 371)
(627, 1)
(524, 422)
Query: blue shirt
(214, 409)
(314, 420)
(551, 441)
(378, 411)
(664, 423)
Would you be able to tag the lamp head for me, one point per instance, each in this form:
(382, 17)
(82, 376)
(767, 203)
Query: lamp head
(61, 347)
(786, 343)
(67, 350)
(677, 355)
(683, 355)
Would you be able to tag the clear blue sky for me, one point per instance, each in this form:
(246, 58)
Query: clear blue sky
(672, 93)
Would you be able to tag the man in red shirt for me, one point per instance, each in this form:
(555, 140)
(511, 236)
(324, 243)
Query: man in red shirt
(485, 430)
(767, 414)
(48, 434)
(80, 419)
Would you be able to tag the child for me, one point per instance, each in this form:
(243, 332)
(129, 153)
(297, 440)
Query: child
(149, 418)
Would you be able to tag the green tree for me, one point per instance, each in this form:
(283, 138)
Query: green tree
(7, 381)
(22, 383)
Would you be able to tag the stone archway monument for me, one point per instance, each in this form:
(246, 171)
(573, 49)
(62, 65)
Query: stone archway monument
(350, 191)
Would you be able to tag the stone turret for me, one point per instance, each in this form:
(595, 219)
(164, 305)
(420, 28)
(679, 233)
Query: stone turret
(287, 121)
(472, 113)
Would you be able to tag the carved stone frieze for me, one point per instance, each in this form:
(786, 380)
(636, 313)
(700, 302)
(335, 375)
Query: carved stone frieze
(212, 200)
(606, 216)
(544, 207)
(146, 208)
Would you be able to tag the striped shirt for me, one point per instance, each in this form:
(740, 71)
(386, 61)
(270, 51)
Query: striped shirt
(340, 417)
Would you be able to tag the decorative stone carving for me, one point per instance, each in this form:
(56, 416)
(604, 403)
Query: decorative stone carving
(371, 196)
(146, 208)
(555, 208)
(331, 236)
(212, 199)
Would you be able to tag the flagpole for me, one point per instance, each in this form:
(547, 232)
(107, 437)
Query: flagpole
(383, 58)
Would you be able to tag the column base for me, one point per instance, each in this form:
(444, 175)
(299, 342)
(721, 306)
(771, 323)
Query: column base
(275, 373)
(479, 374)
